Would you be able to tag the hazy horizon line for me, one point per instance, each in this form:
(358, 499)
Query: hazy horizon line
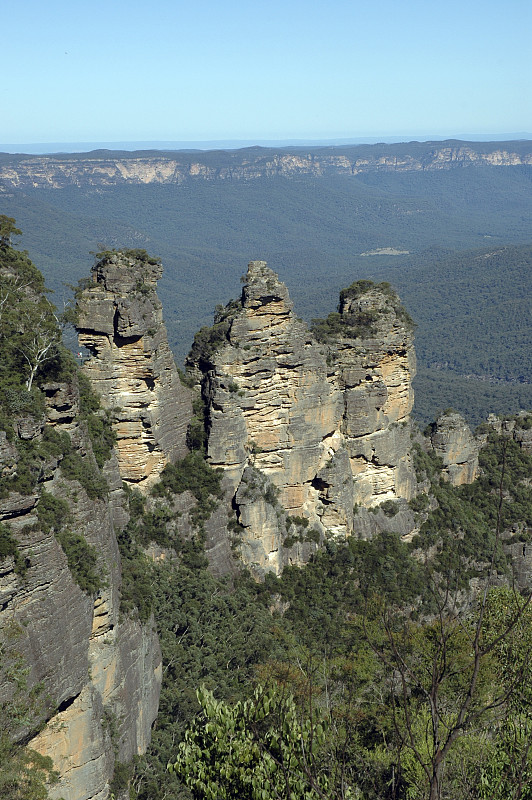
(51, 148)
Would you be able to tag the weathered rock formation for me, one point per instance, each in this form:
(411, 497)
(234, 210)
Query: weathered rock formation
(131, 366)
(96, 666)
(306, 428)
(517, 428)
(452, 440)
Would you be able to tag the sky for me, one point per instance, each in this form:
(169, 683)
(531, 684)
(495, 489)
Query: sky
(167, 70)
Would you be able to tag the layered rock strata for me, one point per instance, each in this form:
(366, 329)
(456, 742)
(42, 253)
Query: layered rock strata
(305, 429)
(95, 665)
(131, 366)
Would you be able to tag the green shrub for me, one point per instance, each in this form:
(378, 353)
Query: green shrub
(426, 465)
(301, 522)
(17, 400)
(99, 423)
(52, 512)
(313, 535)
(390, 507)
(359, 324)
(32, 458)
(137, 253)
(209, 339)
(122, 774)
(152, 526)
(271, 494)
(76, 468)
(419, 502)
(82, 561)
(196, 435)
(192, 473)
(136, 594)
(524, 422)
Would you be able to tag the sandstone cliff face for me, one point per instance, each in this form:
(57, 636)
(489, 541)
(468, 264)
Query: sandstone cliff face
(131, 366)
(98, 169)
(303, 429)
(453, 441)
(94, 665)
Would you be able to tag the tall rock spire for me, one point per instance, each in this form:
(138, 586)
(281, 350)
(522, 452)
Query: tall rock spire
(120, 323)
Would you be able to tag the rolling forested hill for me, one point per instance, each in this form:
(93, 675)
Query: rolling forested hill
(454, 241)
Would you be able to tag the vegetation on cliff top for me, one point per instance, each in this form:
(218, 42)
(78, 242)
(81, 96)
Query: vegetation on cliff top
(361, 323)
(136, 253)
(209, 339)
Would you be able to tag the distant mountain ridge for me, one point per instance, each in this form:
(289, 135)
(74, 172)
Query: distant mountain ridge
(109, 168)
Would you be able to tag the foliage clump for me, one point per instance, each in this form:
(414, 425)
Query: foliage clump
(136, 593)
(9, 547)
(54, 516)
(334, 638)
(196, 432)
(158, 523)
(31, 354)
(209, 339)
(257, 748)
(99, 423)
(192, 473)
(33, 458)
(29, 330)
(463, 522)
(82, 561)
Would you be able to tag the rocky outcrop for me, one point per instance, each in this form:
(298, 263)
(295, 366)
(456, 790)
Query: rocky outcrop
(452, 440)
(96, 666)
(131, 366)
(305, 429)
(102, 168)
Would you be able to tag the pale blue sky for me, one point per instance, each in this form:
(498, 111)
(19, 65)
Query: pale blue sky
(121, 71)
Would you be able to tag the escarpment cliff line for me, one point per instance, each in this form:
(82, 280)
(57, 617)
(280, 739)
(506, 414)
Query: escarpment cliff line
(120, 323)
(105, 168)
(306, 424)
